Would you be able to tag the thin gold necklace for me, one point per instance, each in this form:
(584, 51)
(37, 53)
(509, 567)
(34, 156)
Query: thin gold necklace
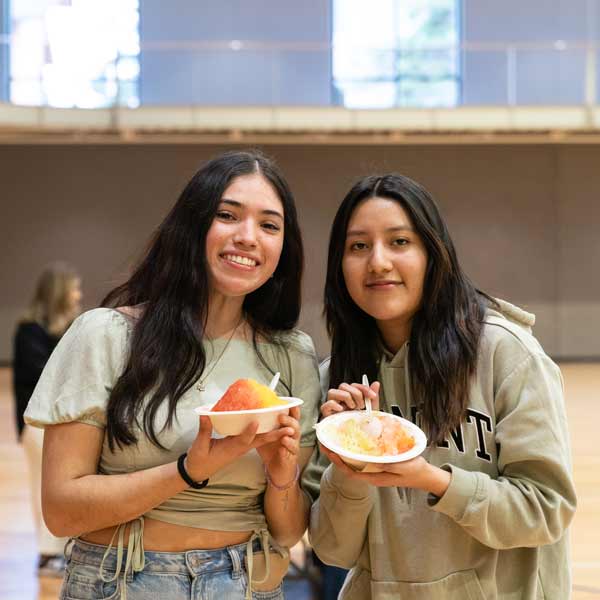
(200, 385)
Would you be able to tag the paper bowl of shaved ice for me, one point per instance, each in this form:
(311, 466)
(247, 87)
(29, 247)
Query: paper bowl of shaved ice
(365, 441)
(244, 402)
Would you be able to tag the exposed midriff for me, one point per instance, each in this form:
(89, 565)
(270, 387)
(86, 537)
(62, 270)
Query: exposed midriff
(167, 537)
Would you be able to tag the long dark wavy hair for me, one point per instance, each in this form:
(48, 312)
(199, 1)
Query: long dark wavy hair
(445, 331)
(171, 281)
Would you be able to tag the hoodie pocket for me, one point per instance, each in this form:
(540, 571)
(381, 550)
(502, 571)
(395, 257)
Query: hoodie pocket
(462, 585)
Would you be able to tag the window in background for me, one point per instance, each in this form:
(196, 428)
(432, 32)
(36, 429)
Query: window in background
(396, 53)
(74, 53)
(4, 93)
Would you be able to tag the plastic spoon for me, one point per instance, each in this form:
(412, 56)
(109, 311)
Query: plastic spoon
(368, 406)
(274, 381)
(373, 426)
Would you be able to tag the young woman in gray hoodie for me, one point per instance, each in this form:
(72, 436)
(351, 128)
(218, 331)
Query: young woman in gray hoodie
(483, 512)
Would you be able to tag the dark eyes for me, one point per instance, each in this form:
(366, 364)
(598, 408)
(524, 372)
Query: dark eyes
(271, 227)
(357, 246)
(225, 215)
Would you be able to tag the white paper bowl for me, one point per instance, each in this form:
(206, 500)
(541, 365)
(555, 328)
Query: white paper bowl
(233, 422)
(367, 462)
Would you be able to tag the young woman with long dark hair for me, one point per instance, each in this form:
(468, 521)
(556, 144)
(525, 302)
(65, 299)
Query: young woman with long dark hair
(483, 512)
(159, 505)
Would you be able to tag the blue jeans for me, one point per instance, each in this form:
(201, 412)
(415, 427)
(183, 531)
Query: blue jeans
(192, 575)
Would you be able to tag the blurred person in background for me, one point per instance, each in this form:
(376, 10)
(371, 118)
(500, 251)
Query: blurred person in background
(55, 304)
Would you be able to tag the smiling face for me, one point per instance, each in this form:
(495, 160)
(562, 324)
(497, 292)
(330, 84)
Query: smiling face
(384, 266)
(245, 239)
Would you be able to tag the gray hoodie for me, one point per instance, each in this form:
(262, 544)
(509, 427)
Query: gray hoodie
(500, 530)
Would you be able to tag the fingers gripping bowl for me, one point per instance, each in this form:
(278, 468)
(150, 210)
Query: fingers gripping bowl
(245, 402)
(368, 442)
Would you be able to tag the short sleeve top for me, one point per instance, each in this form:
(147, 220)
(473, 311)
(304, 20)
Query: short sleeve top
(90, 358)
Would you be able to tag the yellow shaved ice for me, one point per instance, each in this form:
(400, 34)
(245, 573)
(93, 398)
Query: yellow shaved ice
(353, 438)
(353, 435)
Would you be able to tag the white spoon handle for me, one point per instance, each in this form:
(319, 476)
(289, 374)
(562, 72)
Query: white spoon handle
(365, 381)
(274, 381)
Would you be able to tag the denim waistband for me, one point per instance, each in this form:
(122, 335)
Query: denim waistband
(190, 562)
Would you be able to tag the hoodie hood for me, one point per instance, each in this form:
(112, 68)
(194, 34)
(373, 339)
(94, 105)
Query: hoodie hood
(514, 314)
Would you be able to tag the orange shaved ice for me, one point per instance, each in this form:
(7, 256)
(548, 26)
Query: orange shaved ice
(247, 394)
(359, 436)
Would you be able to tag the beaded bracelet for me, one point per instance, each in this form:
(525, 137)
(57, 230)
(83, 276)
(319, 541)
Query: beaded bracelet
(287, 486)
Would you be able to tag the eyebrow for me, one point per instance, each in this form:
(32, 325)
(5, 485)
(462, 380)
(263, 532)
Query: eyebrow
(359, 232)
(267, 211)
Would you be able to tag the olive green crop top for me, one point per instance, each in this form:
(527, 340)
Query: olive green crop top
(89, 359)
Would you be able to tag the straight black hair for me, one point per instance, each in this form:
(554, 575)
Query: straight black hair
(445, 331)
(171, 282)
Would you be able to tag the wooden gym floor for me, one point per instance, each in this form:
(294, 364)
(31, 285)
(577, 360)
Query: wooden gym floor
(18, 580)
